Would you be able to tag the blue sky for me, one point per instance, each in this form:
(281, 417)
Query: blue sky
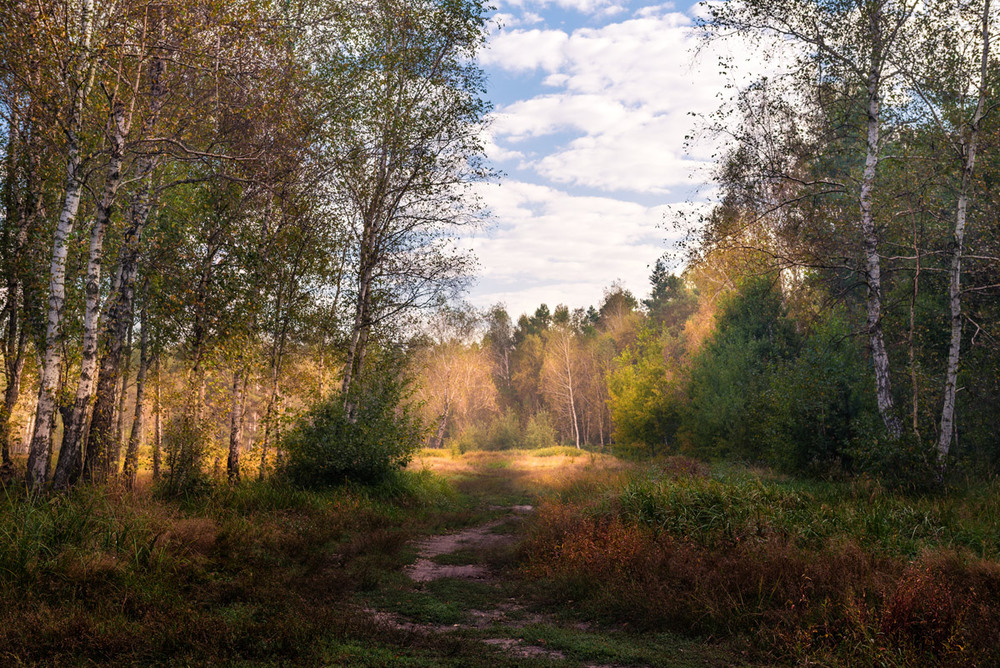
(593, 100)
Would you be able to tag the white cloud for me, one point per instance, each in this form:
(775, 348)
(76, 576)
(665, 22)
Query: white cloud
(598, 7)
(556, 247)
(625, 92)
(604, 110)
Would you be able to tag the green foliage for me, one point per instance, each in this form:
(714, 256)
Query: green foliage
(364, 436)
(540, 432)
(670, 302)
(817, 401)
(903, 464)
(730, 375)
(504, 433)
(645, 396)
(186, 441)
(763, 392)
(471, 438)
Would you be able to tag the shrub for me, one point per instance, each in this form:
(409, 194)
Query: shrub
(186, 442)
(504, 433)
(903, 464)
(470, 438)
(540, 432)
(362, 437)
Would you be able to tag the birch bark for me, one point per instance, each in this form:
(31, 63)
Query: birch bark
(70, 462)
(870, 235)
(40, 450)
(969, 146)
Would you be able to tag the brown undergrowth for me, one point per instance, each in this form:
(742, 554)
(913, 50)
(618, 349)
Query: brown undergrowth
(258, 574)
(707, 566)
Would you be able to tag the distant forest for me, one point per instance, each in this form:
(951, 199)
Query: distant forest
(229, 236)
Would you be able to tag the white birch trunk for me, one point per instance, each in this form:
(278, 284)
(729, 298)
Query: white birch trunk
(873, 269)
(71, 452)
(955, 284)
(40, 450)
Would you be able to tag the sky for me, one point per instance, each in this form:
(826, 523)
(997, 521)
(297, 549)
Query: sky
(593, 101)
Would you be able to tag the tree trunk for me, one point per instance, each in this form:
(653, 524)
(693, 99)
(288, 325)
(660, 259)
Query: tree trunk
(157, 425)
(911, 337)
(569, 387)
(873, 268)
(131, 467)
(442, 424)
(40, 450)
(236, 425)
(270, 419)
(101, 444)
(100, 441)
(362, 317)
(15, 339)
(71, 452)
(955, 283)
(122, 400)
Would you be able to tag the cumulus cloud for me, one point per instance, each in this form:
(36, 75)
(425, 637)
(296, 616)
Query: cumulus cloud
(628, 92)
(598, 7)
(553, 246)
(594, 121)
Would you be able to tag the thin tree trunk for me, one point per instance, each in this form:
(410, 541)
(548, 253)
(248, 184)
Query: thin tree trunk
(13, 352)
(270, 421)
(873, 268)
(102, 442)
(122, 400)
(911, 338)
(157, 425)
(70, 461)
(442, 424)
(40, 450)
(236, 424)
(362, 318)
(119, 314)
(955, 284)
(131, 467)
(569, 387)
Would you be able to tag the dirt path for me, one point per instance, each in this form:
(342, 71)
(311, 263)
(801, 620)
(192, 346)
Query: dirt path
(457, 591)
(476, 541)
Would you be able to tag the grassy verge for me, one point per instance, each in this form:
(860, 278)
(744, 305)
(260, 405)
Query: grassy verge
(843, 573)
(259, 573)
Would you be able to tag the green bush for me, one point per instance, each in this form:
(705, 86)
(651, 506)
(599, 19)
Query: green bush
(540, 432)
(730, 376)
(817, 403)
(504, 433)
(329, 445)
(186, 442)
(470, 438)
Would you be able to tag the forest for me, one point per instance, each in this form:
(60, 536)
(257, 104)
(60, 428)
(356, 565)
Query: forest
(250, 419)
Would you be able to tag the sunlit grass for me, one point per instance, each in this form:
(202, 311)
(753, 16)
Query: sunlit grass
(846, 570)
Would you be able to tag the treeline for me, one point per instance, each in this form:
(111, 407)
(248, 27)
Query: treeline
(732, 361)
(839, 306)
(861, 177)
(215, 213)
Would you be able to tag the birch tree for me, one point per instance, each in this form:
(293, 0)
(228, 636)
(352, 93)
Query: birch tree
(403, 137)
(79, 63)
(853, 48)
(966, 145)
(562, 375)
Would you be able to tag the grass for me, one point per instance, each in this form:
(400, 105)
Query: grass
(848, 572)
(662, 562)
(258, 573)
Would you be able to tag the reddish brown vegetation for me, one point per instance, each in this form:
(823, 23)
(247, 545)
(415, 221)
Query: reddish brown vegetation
(838, 601)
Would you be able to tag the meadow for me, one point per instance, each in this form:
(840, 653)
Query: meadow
(574, 559)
